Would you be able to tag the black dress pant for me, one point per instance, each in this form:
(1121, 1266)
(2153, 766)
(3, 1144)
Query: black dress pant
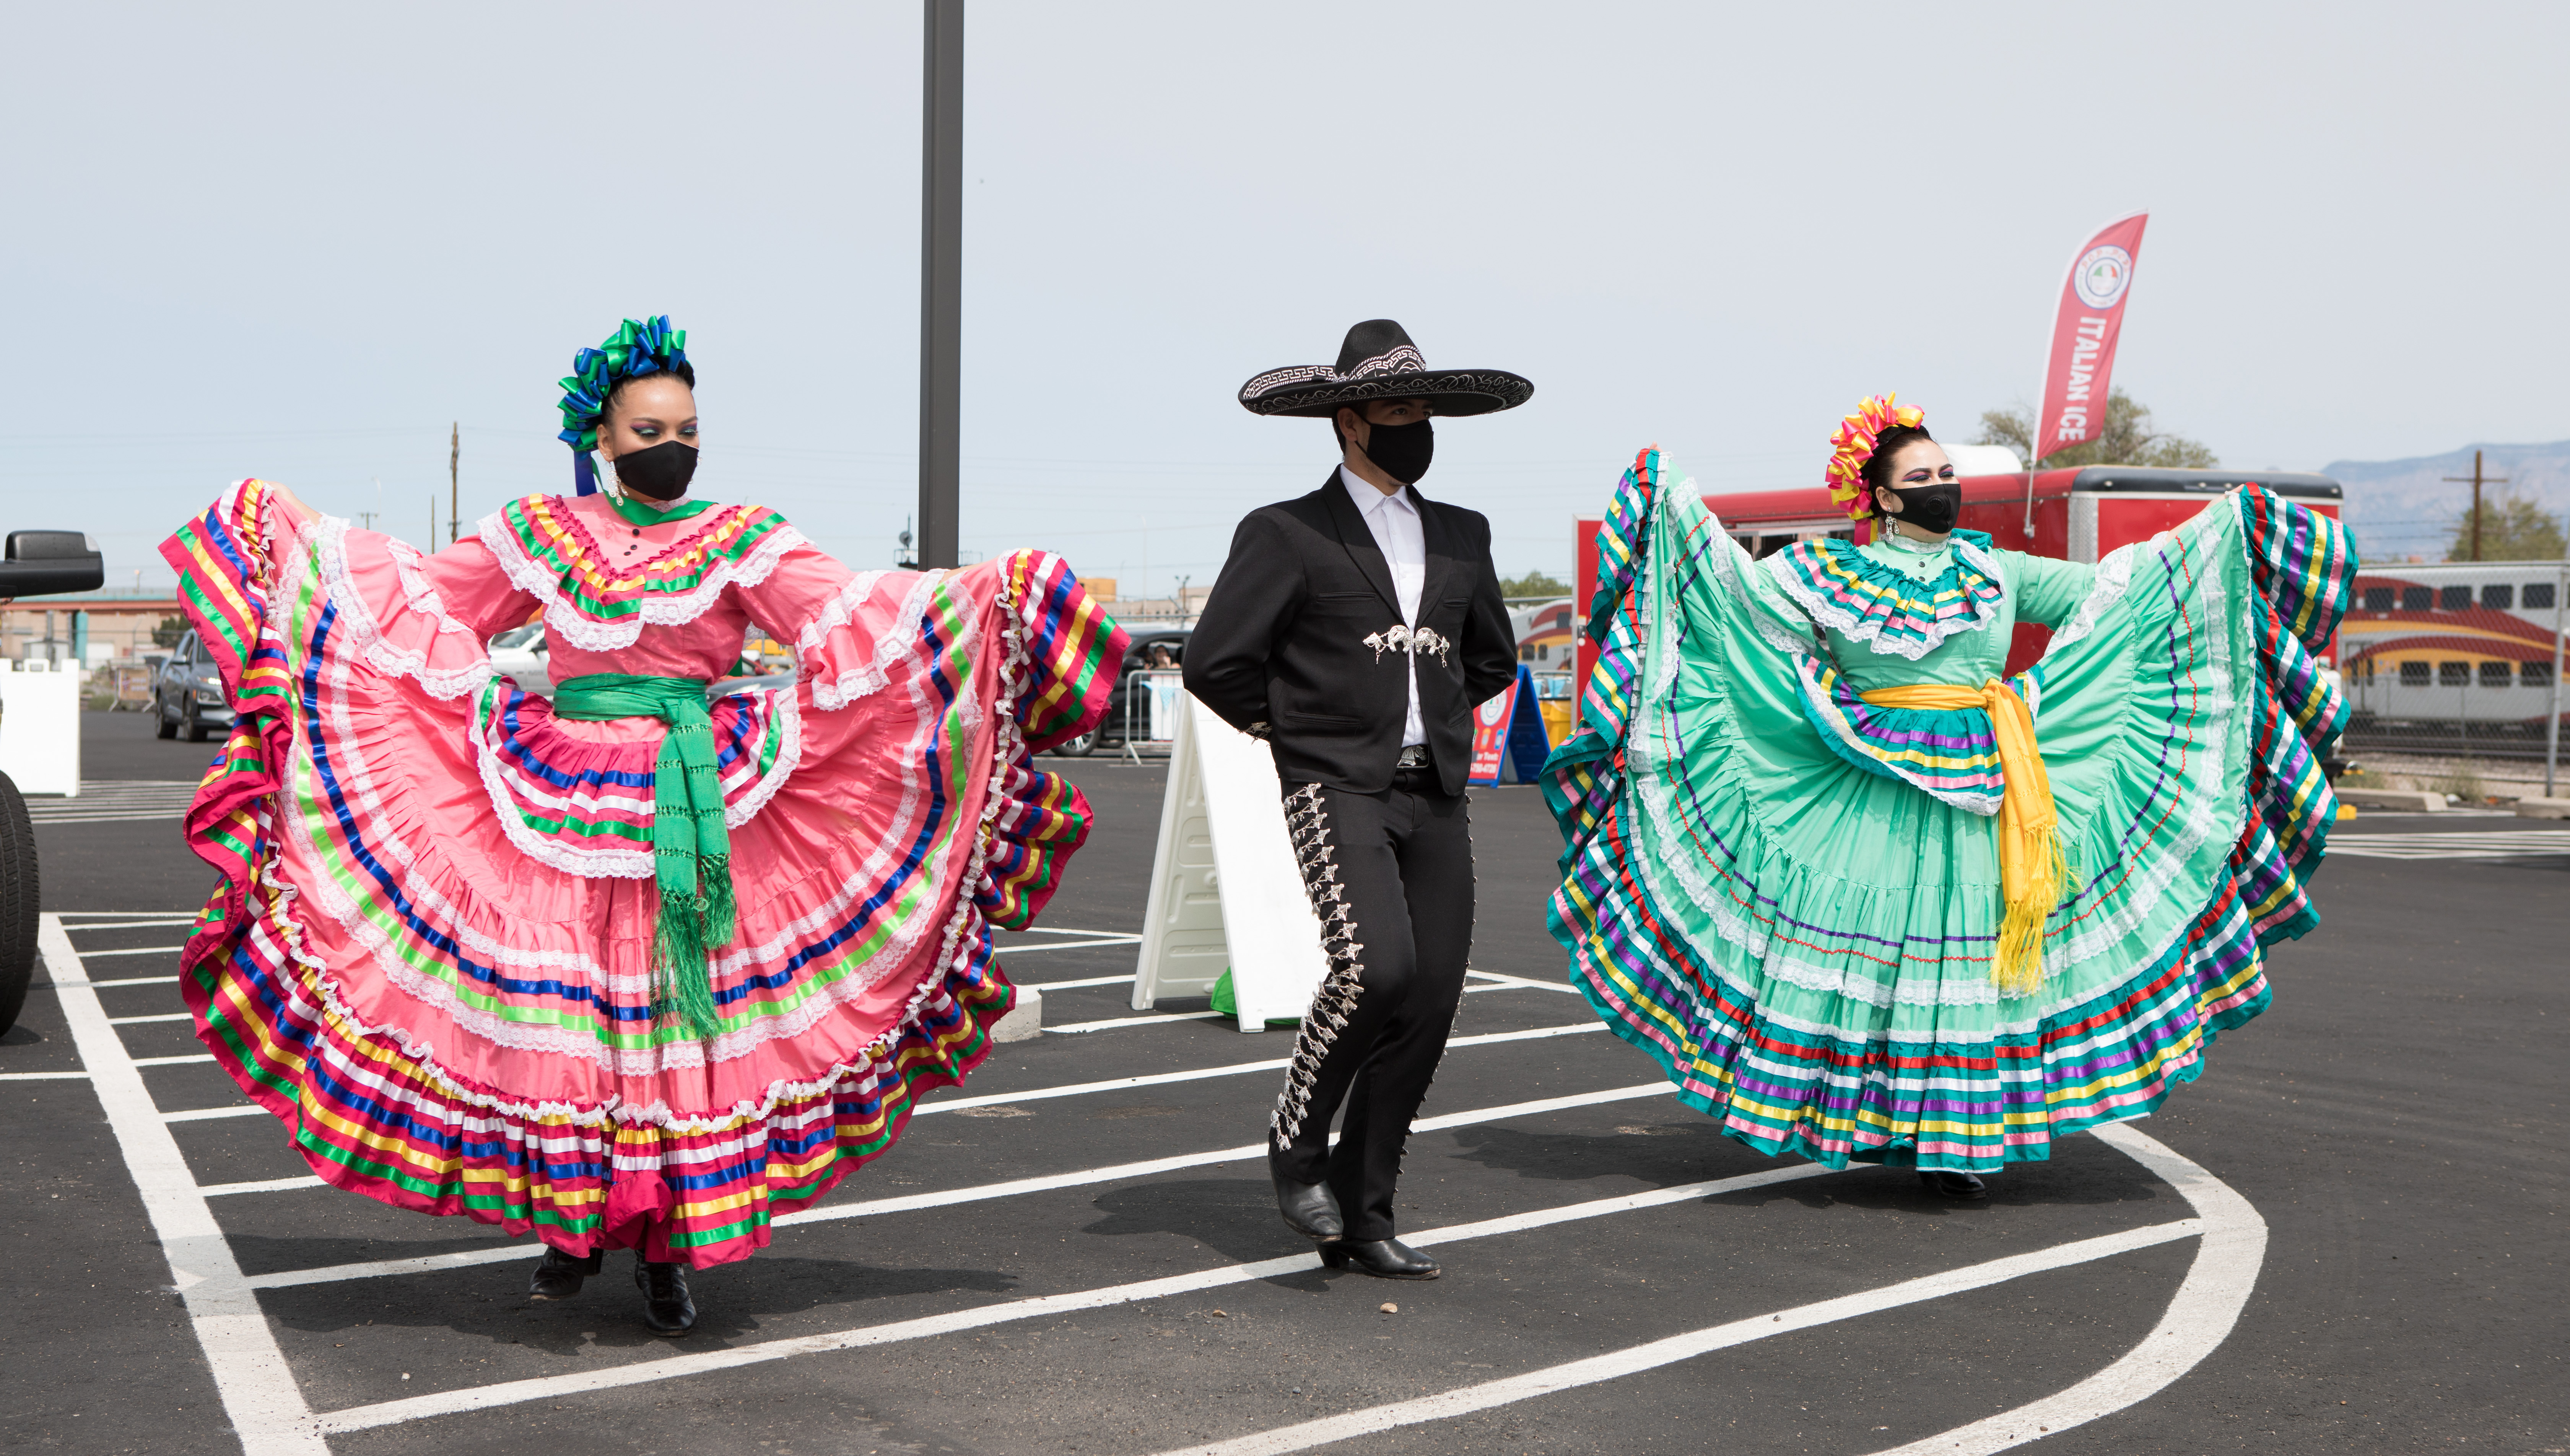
(1391, 876)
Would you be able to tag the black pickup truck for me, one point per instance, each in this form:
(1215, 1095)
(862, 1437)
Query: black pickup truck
(36, 564)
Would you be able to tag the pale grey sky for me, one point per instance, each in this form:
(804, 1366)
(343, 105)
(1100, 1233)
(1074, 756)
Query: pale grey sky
(299, 241)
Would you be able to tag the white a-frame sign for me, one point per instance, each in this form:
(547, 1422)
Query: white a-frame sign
(1225, 889)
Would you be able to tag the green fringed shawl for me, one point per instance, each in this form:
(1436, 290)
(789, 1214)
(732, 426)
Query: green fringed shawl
(690, 848)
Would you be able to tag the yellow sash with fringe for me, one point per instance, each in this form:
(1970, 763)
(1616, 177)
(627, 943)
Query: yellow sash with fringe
(2031, 865)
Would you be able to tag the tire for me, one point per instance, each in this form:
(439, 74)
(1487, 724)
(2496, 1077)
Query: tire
(18, 903)
(163, 726)
(197, 730)
(1079, 747)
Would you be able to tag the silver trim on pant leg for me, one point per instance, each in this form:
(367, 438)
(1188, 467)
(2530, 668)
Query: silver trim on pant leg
(1307, 824)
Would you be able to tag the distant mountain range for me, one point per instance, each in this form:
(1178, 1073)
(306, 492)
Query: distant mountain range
(2401, 508)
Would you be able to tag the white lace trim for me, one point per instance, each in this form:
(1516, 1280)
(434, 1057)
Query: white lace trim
(741, 799)
(866, 1066)
(323, 540)
(1831, 615)
(1647, 762)
(564, 620)
(2107, 582)
(899, 642)
(439, 995)
(1805, 665)
(786, 718)
(2201, 825)
(600, 863)
(422, 594)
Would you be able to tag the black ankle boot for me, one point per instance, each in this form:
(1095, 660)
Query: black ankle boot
(558, 1274)
(1953, 1184)
(666, 1307)
(1309, 1209)
(1385, 1259)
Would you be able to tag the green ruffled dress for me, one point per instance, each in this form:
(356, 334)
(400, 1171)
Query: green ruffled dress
(1791, 897)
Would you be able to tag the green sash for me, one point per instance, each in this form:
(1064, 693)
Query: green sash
(690, 848)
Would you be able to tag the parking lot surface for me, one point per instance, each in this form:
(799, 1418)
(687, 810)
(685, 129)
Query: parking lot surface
(2347, 1236)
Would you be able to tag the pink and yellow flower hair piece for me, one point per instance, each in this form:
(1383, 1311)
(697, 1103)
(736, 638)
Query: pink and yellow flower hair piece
(1852, 445)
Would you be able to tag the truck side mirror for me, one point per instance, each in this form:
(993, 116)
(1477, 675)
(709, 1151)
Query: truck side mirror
(42, 563)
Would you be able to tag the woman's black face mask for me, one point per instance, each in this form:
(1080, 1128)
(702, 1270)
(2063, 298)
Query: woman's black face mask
(660, 473)
(1401, 451)
(1933, 507)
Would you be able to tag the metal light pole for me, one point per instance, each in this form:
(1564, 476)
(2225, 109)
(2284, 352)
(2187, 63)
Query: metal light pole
(941, 284)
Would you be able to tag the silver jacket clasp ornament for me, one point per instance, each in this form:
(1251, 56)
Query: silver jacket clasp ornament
(1400, 639)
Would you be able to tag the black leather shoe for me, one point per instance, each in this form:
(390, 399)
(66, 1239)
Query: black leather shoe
(558, 1274)
(667, 1308)
(1385, 1259)
(1953, 1184)
(1310, 1209)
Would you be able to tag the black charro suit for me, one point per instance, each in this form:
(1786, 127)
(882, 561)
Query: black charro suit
(1283, 639)
(1303, 643)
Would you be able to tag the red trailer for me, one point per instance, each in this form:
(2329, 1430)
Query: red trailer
(2077, 515)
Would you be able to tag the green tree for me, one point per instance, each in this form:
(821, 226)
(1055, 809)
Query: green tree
(2129, 439)
(1533, 584)
(168, 632)
(2513, 528)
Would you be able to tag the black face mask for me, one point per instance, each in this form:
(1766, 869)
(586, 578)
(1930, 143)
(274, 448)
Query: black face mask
(661, 473)
(1931, 507)
(1401, 451)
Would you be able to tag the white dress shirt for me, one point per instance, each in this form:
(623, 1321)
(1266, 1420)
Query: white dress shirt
(1394, 520)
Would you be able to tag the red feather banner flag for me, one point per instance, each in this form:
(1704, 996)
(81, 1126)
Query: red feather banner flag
(2085, 326)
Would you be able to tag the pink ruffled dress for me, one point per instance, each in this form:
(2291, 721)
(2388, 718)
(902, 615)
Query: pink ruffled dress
(430, 955)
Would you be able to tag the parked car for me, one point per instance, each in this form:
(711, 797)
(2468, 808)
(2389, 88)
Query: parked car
(520, 652)
(187, 694)
(1161, 647)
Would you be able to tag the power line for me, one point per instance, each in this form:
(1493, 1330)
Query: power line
(2476, 480)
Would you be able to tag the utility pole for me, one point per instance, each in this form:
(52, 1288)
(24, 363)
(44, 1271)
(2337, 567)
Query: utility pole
(941, 284)
(2477, 480)
(454, 508)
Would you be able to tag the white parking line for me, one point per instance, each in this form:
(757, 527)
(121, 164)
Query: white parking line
(43, 1075)
(128, 981)
(1527, 984)
(1451, 1403)
(259, 1395)
(1232, 1068)
(92, 955)
(1125, 980)
(142, 1020)
(1013, 951)
(913, 1202)
(484, 1397)
(1160, 1019)
(2470, 844)
(172, 1061)
(2200, 1317)
(208, 1113)
(262, 1186)
(133, 925)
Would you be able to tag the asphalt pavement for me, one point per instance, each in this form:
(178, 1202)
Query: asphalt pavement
(1045, 1267)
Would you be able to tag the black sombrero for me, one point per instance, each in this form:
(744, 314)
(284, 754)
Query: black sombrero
(1378, 362)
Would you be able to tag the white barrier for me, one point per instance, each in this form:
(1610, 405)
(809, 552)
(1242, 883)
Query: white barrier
(1225, 890)
(40, 742)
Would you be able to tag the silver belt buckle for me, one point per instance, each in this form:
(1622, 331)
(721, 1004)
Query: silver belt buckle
(1413, 757)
